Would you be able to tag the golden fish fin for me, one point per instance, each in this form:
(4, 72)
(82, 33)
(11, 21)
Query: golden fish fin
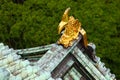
(65, 15)
(64, 20)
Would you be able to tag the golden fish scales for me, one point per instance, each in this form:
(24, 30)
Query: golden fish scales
(72, 29)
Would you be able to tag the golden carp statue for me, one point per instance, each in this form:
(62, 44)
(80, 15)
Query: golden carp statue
(72, 29)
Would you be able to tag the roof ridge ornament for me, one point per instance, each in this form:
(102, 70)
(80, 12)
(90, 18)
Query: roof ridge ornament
(72, 28)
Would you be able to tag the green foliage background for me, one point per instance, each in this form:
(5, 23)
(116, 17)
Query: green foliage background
(35, 22)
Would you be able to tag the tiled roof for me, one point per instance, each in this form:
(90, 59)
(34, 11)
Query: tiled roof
(58, 63)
